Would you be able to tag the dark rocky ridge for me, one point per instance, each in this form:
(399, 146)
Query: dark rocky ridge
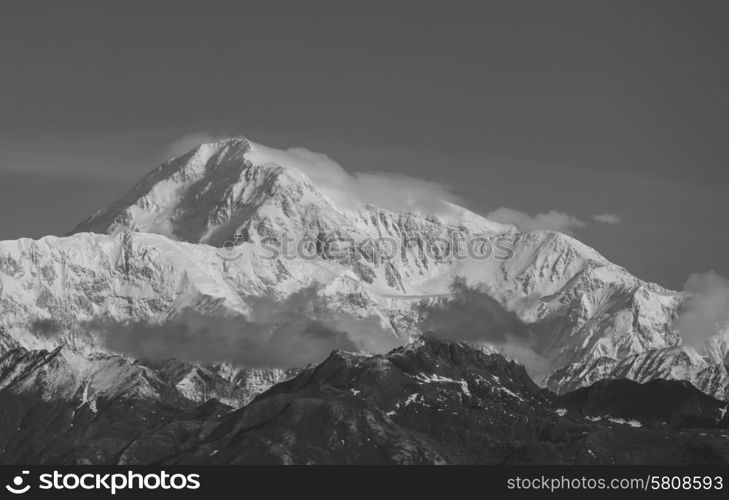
(432, 402)
(676, 403)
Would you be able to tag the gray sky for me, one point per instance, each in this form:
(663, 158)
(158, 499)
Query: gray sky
(583, 107)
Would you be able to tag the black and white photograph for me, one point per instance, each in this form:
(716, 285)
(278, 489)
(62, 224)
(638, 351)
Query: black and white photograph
(488, 235)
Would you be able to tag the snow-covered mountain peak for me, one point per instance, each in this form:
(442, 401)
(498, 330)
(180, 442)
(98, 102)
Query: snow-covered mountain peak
(207, 194)
(237, 187)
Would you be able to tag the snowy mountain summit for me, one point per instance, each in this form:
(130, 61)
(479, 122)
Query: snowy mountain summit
(232, 230)
(236, 186)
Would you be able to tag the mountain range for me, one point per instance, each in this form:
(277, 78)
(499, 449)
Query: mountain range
(181, 296)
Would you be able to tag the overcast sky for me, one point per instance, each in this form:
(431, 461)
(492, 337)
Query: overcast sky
(616, 109)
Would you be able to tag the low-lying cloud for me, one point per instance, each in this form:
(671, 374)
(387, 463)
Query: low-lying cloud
(471, 315)
(549, 221)
(277, 333)
(706, 310)
(298, 331)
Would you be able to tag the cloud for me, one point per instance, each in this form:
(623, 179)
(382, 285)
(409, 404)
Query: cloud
(551, 221)
(276, 334)
(607, 218)
(399, 193)
(706, 311)
(472, 315)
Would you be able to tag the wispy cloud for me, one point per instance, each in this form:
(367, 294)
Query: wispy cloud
(551, 221)
(399, 193)
(607, 218)
(188, 142)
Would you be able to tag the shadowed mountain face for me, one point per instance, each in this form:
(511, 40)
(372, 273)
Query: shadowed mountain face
(675, 403)
(431, 402)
